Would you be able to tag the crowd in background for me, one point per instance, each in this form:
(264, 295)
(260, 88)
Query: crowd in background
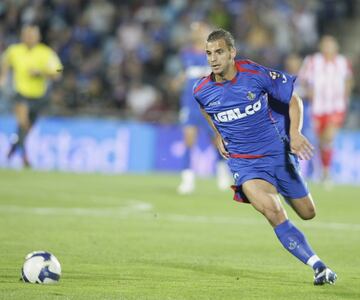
(120, 57)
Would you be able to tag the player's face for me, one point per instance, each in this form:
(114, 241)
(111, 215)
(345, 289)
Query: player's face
(329, 46)
(220, 57)
(30, 35)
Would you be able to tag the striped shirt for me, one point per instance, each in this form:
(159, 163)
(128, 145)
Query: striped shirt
(327, 79)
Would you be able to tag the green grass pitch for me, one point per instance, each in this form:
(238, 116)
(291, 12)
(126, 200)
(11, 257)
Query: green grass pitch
(133, 237)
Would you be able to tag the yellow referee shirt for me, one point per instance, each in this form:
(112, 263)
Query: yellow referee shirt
(24, 60)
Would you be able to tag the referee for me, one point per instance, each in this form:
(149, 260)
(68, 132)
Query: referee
(33, 65)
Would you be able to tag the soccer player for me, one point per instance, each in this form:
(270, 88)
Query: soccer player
(195, 66)
(32, 64)
(328, 81)
(262, 148)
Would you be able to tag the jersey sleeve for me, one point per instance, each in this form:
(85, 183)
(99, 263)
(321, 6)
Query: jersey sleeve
(279, 85)
(54, 64)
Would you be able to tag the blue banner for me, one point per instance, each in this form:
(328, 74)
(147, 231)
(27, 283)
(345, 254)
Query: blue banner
(111, 146)
(170, 149)
(83, 145)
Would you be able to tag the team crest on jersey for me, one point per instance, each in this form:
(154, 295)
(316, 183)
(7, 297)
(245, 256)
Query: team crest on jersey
(251, 96)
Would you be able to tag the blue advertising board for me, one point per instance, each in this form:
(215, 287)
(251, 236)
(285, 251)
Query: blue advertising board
(112, 146)
(170, 150)
(83, 145)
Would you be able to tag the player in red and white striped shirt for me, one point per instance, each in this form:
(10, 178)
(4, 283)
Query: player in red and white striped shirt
(327, 77)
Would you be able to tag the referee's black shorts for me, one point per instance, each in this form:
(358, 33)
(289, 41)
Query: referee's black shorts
(35, 105)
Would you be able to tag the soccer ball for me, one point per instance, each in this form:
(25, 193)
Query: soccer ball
(41, 267)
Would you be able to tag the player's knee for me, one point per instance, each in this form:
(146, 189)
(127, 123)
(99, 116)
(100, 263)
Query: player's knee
(309, 214)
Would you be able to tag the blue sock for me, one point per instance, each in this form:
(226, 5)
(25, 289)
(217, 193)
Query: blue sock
(295, 242)
(187, 158)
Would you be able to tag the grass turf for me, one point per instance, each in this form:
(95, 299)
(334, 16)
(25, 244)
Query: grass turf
(133, 237)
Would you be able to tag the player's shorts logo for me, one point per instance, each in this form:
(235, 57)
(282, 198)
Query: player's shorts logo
(236, 113)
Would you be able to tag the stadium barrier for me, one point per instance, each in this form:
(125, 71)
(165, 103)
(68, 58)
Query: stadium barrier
(111, 146)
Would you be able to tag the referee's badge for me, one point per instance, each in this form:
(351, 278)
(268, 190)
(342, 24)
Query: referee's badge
(251, 96)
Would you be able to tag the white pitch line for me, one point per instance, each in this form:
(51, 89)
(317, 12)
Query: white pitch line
(132, 208)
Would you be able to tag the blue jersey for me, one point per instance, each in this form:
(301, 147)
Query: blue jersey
(251, 110)
(195, 66)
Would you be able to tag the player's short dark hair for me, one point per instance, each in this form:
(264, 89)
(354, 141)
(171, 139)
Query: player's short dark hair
(223, 34)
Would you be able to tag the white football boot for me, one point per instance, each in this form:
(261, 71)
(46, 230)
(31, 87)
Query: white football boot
(187, 185)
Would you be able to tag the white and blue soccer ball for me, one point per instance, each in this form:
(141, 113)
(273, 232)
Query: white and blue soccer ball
(41, 267)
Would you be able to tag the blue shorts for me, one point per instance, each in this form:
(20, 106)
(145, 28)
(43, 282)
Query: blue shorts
(282, 171)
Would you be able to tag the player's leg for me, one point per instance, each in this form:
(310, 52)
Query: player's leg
(291, 185)
(34, 107)
(304, 207)
(294, 189)
(264, 198)
(326, 127)
(187, 184)
(326, 140)
(21, 111)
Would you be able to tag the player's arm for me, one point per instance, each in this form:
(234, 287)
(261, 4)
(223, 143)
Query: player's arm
(219, 142)
(49, 74)
(53, 67)
(280, 86)
(299, 144)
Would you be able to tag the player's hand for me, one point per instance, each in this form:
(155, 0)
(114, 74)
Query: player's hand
(300, 145)
(220, 144)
